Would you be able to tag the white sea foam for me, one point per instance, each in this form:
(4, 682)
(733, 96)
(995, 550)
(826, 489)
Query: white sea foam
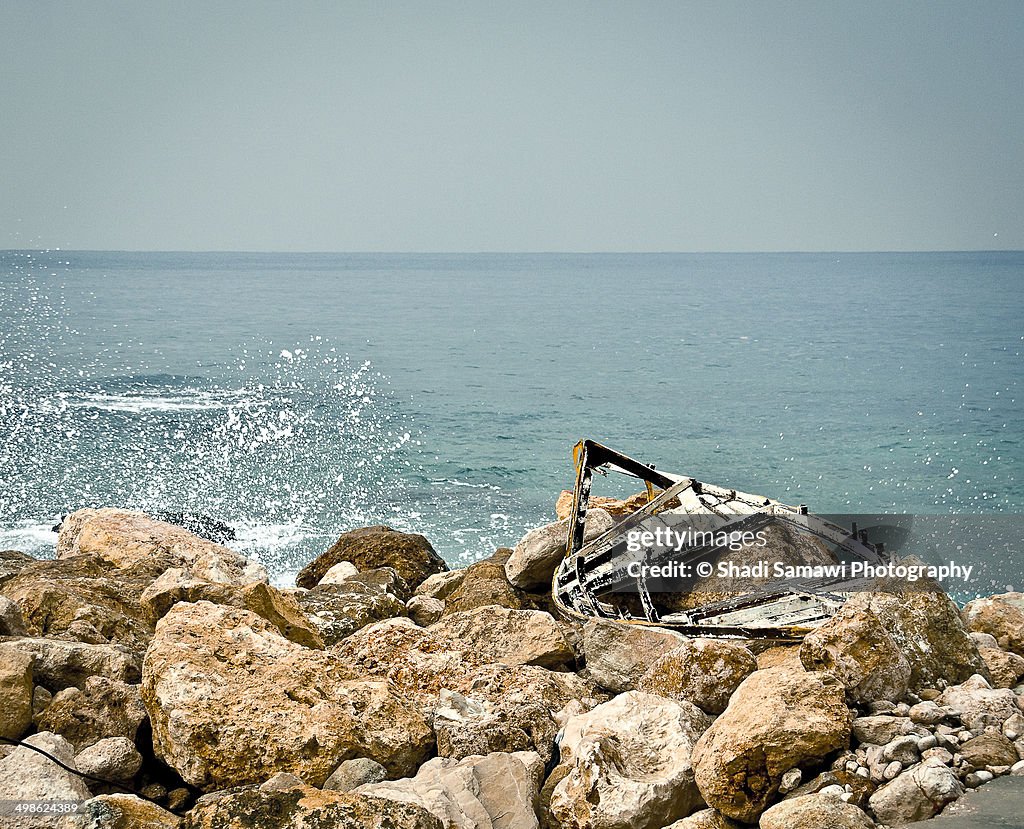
(38, 540)
(145, 401)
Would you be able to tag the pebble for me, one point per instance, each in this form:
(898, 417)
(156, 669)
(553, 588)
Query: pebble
(925, 743)
(892, 771)
(790, 780)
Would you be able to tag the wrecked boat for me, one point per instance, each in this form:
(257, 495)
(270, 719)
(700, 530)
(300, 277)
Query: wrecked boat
(706, 560)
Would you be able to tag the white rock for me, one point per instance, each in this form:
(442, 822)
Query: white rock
(339, 573)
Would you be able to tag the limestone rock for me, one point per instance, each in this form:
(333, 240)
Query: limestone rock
(126, 811)
(370, 547)
(777, 720)
(102, 708)
(617, 508)
(12, 622)
(495, 791)
(303, 807)
(466, 726)
(485, 583)
(856, 648)
(354, 773)
(1004, 667)
(618, 655)
(879, 729)
(705, 672)
(979, 704)
(11, 563)
(58, 664)
(917, 794)
(15, 692)
(627, 764)
(705, 819)
(814, 811)
(177, 584)
(338, 610)
(511, 637)
(988, 750)
(424, 610)
(339, 573)
(535, 557)
(27, 775)
(1000, 616)
(231, 702)
(112, 758)
(440, 585)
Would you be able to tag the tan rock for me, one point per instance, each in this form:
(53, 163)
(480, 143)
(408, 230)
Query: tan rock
(440, 585)
(1004, 667)
(351, 774)
(618, 654)
(58, 664)
(705, 819)
(126, 811)
(368, 548)
(617, 508)
(425, 610)
(917, 794)
(534, 559)
(494, 791)
(466, 726)
(338, 610)
(988, 750)
(485, 583)
(15, 692)
(777, 720)
(27, 775)
(1001, 616)
(627, 764)
(855, 647)
(112, 758)
(12, 622)
(815, 811)
(702, 671)
(100, 709)
(303, 807)
(511, 637)
(779, 656)
(980, 705)
(231, 701)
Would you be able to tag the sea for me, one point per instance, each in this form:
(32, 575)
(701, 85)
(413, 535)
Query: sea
(299, 395)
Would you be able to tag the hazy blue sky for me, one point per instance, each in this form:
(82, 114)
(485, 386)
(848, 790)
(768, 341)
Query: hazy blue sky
(512, 125)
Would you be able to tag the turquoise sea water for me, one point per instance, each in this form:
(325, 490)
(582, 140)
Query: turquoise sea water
(299, 395)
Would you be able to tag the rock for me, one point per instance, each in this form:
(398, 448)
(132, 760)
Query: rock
(282, 611)
(777, 720)
(927, 629)
(465, 727)
(102, 708)
(370, 547)
(15, 692)
(339, 573)
(41, 699)
(790, 780)
(984, 640)
(705, 672)
(58, 664)
(1013, 728)
(1005, 668)
(779, 656)
(927, 713)
(424, 610)
(856, 648)
(879, 728)
(441, 585)
(112, 758)
(511, 637)
(988, 750)
(354, 773)
(917, 794)
(901, 749)
(618, 655)
(815, 811)
(495, 791)
(705, 819)
(627, 764)
(12, 623)
(126, 811)
(617, 508)
(27, 775)
(1002, 617)
(485, 583)
(979, 704)
(339, 610)
(303, 807)
(12, 562)
(535, 557)
(231, 702)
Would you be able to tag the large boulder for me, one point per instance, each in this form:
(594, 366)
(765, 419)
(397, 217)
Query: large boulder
(298, 806)
(15, 692)
(777, 720)
(112, 758)
(493, 791)
(815, 811)
(338, 610)
(125, 538)
(618, 654)
(1001, 616)
(1005, 668)
(126, 811)
(59, 664)
(27, 775)
(627, 764)
(465, 726)
(12, 621)
(538, 553)
(979, 704)
(12, 562)
(857, 649)
(485, 583)
(705, 672)
(916, 794)
(102, 708)
(368, 548)
(511, 637)
(231, 701)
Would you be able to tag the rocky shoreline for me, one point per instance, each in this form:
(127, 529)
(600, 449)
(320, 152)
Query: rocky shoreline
(387, 691)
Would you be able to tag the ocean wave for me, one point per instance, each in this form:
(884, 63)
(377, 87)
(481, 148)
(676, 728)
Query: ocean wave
(35, 539)
(155, 401)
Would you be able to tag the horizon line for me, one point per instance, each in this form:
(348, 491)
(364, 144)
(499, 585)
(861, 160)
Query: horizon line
(204, 251)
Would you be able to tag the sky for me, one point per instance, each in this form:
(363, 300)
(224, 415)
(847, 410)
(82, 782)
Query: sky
(512, 126)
